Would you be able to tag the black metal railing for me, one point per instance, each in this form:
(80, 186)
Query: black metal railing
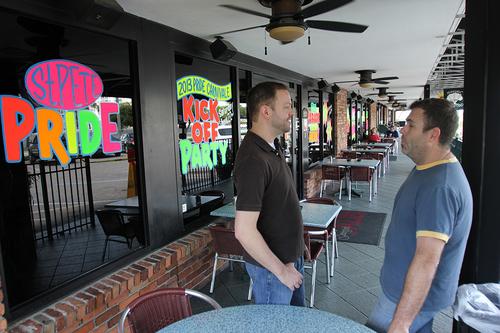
(61, 198)
(204, 177)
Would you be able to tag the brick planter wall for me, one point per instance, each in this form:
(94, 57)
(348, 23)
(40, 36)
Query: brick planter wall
(312, 182)
(340, 119)
(185, 263)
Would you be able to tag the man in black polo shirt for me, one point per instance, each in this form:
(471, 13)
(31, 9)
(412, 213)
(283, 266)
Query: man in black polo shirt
(268, 221)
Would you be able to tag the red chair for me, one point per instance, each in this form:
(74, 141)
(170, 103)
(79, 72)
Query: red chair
(330, 235)
(225, 243)
(360, 174)
(157, 309)
(312, 254)
(332, 173)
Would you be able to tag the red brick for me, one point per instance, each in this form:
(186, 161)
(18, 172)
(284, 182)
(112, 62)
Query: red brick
(106, 290)
(127, 301)
(80, 307)
(3, 323)
(47, 323)
(136, 273)
(57, 316)
(115, 320)
(148, 266)
(29, 326)
(122, 281)
(107, 315)
(142, 269)
(129, 277)
(89, 300)
(86, 328)
(98, 294)
(100, 329)
(69, 312)
(115, 286)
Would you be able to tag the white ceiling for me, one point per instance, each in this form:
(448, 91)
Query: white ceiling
(404, 37)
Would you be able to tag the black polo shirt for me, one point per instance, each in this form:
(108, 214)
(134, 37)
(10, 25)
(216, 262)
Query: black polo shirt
(264, 184)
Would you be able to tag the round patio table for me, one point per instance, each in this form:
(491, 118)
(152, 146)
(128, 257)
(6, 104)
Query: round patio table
(265, 318)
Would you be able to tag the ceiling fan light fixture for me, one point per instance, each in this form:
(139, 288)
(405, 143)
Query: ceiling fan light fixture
(287, 33)
(365, 84)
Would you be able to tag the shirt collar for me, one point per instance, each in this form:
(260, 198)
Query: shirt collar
(433, 164)
(261, 142)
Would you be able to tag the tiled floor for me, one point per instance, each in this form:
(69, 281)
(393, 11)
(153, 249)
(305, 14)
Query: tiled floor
(354, 289)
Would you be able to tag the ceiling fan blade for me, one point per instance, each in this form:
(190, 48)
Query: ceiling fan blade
(385, 78)
(379, 82)
(322, 7)
(395, 92)
(244, 29)
(246, 11)
(376, 94)
(346, 81)
(336, 26)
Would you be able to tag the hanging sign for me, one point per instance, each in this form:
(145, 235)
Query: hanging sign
(59, 85)
(202, 114)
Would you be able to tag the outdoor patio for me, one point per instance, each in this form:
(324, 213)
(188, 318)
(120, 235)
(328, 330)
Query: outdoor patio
(354, 288)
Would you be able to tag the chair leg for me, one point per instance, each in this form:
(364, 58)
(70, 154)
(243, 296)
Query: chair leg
(213, 273)
(336, 243)
(250, 288)
(105, 247)
(321, 188)
(349, 185)
(327, 254)
(340, 192)
(313, 283)
(370, 191)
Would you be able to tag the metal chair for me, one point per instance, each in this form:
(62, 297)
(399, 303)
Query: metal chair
(113, 224)
(157, 309)
(313, 250)
(225, 243)
(330, 235)
(332, 173)
(219, 202)
(360, 174)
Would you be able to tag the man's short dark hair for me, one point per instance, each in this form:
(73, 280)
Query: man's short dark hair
(439, 113)
(263, 93)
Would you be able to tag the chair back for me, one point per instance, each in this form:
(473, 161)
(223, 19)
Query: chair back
(154, 310)
(361, 174)
(112, 222)
(225, 241)
(375, 156)
(388, 140)
(350, 154)
(332, 172)
(219, 202)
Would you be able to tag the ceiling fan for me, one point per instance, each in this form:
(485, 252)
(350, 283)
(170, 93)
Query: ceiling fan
(382, 92)
(391, 98)
(366, 80)
(288, 20)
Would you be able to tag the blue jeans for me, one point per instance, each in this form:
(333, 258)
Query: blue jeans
(382, 314)
(268, 289)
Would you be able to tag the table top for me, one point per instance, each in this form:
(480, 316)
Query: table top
(266, 318)
(353, 162)
(361, 150)
(189, 200)
(313, 214)
(373, 144)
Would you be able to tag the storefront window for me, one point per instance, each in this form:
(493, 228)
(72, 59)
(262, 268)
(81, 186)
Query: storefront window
(205, 113)
(59, 232)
